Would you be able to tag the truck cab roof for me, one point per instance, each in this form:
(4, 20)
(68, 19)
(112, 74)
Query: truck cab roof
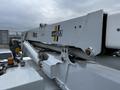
(5, 51)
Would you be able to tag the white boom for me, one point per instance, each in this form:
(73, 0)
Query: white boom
(70, 51)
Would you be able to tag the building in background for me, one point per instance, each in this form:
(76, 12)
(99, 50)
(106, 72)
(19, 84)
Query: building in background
(14, 34)
(4, 38)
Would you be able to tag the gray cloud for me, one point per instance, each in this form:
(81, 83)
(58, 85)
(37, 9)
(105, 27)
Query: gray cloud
(26, 14)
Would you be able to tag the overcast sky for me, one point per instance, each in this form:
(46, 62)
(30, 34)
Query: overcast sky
(27, 14)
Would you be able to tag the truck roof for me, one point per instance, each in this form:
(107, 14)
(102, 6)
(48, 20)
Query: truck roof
(5, 51)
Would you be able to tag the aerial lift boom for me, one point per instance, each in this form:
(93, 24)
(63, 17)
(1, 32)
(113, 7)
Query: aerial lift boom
(78, 54)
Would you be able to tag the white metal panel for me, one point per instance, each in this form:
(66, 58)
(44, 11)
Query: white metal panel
(18, 76)
(49, 66)
(93, 77)
(82, 75)
(113, 31)
(81, 32)
(89, 35)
